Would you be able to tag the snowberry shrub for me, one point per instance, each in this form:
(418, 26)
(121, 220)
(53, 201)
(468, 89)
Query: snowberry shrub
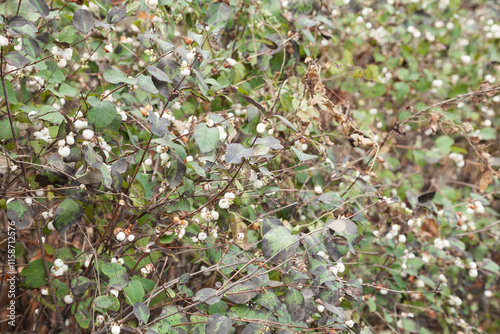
(250, 166)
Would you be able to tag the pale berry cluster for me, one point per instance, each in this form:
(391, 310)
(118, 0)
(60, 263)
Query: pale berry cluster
(337, 268)
(59, 268)
(62, 55)
(228, 199)
(209, 215)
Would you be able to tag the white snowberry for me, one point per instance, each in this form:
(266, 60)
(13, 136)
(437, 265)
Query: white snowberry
(488, 293)
(4, 41)
(320, 308)
(58, 263)
(231, 62)
(258, 184)
(349, 323)
(88, 134)
(44, 291)
(318, 189)
(131, 238)
(62, 63)
(64, 151)
(240, 236)
(68, 299)
(116, 329)
(120, 236)
(261, 127)
(224, 203)
(202, 236)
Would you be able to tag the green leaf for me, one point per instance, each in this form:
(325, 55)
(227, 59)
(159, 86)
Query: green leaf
(20, 214)
(303, 156)
(66, 90)
(67, 214)
(197, 168)
(41, 7)
(279, 244)
(175, 172)
(103, 302)
(11, 96)
(35, 274)
(267, 42)
(269, 300)
(218, 324)
(93, 159)
(295, 304)
(141, 311)
(159, 74)
(83, 317)
(444, 143)
(118, 275)
(158, 126)
(102, 115)
(147, 84)
(235, 152)
(114, 75)
(242, 293)
(83, 20)
(217, 12)
(134, 292)
(205, 293)
(79, 285)
(206, 138)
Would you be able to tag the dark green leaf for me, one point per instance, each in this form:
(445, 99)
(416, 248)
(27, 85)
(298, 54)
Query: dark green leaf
(295, 305)
(83, 20)
(217, 12)
(67, 214)
(93, 159)
(134, 292)
(41, 7)
(20, 214)
(31, 47)
(279, 244)
(239, 295)
(206, 138)
(116, 14)
(158, 126)
(270, 44)
(102, 115)
(205, 293)
(79, 285)
(141, 311)
(218, 324)
(114, 75)
(34, 274)
(235, 152)
(103, 302)
(176, 172)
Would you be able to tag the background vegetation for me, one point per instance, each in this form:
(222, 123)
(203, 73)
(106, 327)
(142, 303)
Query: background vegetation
(250, 166)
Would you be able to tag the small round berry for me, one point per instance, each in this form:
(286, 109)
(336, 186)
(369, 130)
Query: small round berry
(88, 134)
(120, 236)
(261, 127)
(202, 236)
(64, 151)
(58, 263)
(68, 299)
(115, 329)
(131, 238)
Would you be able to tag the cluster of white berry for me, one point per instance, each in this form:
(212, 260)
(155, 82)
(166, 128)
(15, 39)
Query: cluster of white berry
(62, 55)
(209, 215)
(228, 199)
(475, 207)
(59, 268)
(338, 268)
(458, 158)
